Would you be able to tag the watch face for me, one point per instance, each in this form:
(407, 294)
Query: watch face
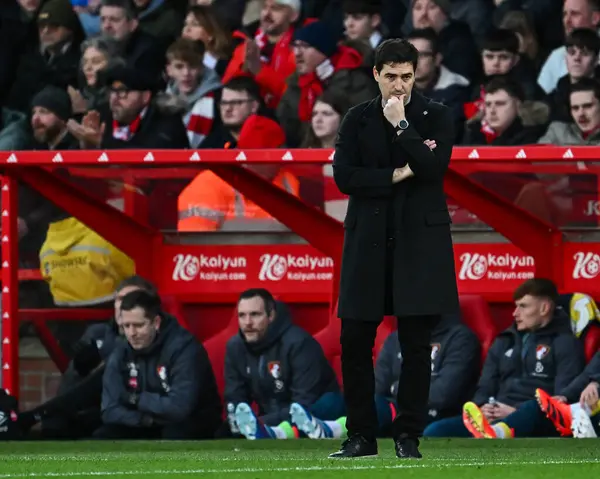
(403, 124)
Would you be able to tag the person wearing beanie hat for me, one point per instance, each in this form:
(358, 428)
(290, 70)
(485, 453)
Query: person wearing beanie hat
(54, 61)
(457, 44)
(50, 111)
(321, 64)
(362, 20)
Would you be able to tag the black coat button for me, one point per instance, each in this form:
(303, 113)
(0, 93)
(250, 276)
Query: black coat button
(377, 210)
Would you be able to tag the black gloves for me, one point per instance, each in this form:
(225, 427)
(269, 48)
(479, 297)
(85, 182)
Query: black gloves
(86, 357)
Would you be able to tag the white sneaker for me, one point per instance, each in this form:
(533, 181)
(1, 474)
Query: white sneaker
(246, 420)
(305, 422)
(582, 426)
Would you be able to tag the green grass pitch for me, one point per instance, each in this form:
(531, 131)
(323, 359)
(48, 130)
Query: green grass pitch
(443, 459)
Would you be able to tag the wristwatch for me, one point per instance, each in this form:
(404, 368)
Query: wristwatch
(402, 124)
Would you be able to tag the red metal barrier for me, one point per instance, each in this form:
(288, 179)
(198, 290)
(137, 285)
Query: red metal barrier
(310, 273)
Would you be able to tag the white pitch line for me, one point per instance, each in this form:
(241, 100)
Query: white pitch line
(351, 465)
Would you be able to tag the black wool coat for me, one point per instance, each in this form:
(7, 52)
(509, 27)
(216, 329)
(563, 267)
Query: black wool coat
(424, 278)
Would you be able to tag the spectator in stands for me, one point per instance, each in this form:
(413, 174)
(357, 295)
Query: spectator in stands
(202, 25)
(18, 32)
(268, 57)
(54, 60)
(75, 411)
(159, 18)
(456, 42)
(566, 414)
(583, 46)
(208, 203)
(507, 118)
(362, 21)
(134, 120)
(576, 14)
(279, 366)
(51, 110)
(436, 81)
(98, 55)
(327, 114)
(455, 366)
(538, 351)
(321, 65)
(520, 23)
(584, 126)
(193, 89)
(159, 383)
(119, 21)
(500, 57)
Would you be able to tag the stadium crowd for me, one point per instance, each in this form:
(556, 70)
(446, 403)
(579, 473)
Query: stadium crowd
(157, 74)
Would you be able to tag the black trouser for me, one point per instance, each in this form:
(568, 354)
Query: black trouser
(75, 412)
(357, 340)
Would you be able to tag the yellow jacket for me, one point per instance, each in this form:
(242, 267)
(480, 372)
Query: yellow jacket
(81, 267)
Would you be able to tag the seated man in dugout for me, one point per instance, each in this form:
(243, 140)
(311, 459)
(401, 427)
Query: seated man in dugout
(159, 384)
(572, 413)
(280, 367)
(538, 351)
(75, 411)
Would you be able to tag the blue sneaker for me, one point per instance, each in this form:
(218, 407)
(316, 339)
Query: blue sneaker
(311, 426)
(249, 425)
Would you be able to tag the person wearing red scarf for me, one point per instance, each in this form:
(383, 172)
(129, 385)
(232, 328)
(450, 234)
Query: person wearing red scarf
(267, 56)
(321, 64)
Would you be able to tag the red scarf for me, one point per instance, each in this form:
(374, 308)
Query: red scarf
(281, 50)
(126, 132)
(311, 86)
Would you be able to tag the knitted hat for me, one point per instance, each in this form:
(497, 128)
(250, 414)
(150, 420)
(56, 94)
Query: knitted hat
(358, 7)
(319, 36)
(56, 100)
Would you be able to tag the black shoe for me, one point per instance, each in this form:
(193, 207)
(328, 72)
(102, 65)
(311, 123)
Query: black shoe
(356, 446)
(407, 448)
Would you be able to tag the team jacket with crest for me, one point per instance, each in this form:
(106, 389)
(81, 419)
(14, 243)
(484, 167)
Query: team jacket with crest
(286, 366)
(551, 358)
(455, 366)
(589, 374)
(173, 377)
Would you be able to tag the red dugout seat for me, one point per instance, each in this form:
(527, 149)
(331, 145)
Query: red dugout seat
(216, 347)
(477, 316)
(591, 341)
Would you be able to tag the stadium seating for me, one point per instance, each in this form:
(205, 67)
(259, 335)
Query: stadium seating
(591, 341)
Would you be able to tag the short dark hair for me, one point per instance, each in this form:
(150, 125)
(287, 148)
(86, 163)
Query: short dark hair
(586, 84)
(265, 295)
(244, 83)
(395, 50)
(510, 86)
(501, 39)
(584, 38)
(126, 5)
(537, 287)
(149, 303)
(427, 34)
(138, 282)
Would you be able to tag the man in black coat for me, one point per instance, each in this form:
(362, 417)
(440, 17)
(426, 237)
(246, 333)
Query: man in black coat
(391, 155)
